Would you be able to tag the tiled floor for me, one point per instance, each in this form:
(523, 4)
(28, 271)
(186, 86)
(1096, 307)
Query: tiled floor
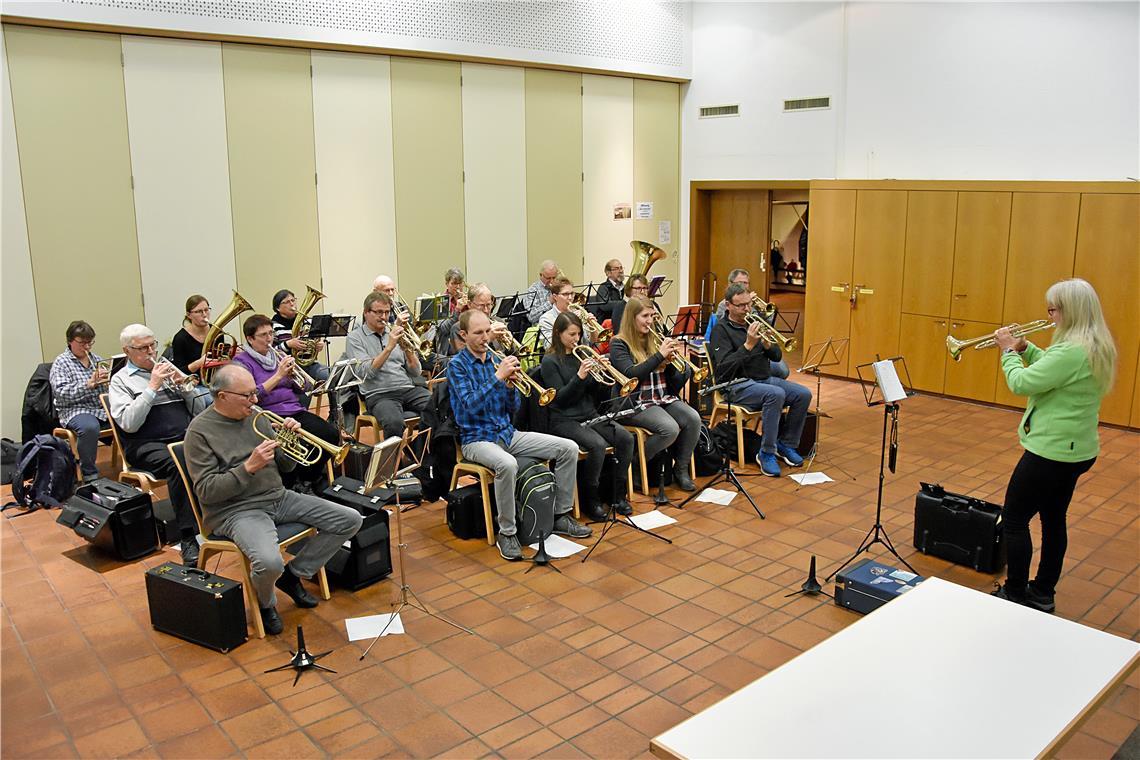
(591, 662)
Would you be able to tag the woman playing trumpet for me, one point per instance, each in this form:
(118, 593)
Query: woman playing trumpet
(76, 380)
(577, 400)
(278, 392)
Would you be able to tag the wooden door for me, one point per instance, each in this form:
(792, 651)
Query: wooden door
(928, 264)
(922, 342)
(1108, 256)
(1135, 419)
(980, 248)
(974, 376)
(830, 251)
(738, 235)
(880, 239)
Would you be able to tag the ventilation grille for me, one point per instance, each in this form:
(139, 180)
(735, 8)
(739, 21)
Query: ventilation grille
(807, 104)
(716, 112)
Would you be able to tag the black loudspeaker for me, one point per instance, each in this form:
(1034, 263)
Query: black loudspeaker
(366, 557)
(807, 438)
(113, 516)
(195, 605)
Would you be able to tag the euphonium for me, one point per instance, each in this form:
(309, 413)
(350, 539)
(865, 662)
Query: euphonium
(300, 378)
(955, 346)
(770, 333)
(645, 255)
(604, 372)
(593, 327)
(308, 353)
(180, 382)
(216, 351)
(299, 445)
(524, 383)
(680, 362)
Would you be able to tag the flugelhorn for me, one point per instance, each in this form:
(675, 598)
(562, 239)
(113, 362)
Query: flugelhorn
(524, 383)
(301, 446)
(300, 378)
(309, 352)
(769, 333)
(219, 346)
(602, 371)
(679, 361)
(179, 382)
(598, 334)
(955, 346)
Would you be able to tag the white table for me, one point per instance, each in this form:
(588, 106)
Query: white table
(943, 671)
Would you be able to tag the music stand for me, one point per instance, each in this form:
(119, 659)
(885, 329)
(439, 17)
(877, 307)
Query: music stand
(506, 307)
(658, 286)
(892, 391)
(828, 353)
(383, 470)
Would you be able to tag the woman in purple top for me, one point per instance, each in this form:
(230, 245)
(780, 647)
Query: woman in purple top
(277, 393)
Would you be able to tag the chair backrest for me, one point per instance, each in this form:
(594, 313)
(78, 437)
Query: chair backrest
(718, 397)
(179, 456)
(712, 322)
(118, 445)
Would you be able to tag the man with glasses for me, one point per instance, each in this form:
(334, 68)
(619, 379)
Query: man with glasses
(610, 297)
(237, 478)
(389, 388)
(536, 298)
(149, 416)
(75, 384)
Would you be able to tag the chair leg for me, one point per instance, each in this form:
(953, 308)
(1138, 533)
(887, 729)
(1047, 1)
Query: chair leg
(487, 508)
(323, 582)
(629, 481)
(251, 594)
(740, 441)
(577, 511)
(643, 465)
(454, 478)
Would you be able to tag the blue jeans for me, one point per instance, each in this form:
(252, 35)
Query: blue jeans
(769, 397)
(86, 428)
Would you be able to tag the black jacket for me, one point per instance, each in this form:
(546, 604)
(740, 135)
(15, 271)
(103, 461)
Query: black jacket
(731, 359)
(577, 399)
(609, 300)
(622, 360)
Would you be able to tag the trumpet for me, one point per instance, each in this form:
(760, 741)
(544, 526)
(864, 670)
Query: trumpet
(770, 334)
(502, 333)
(602, 371)
(410, 340)
(179, 382)
(955, 346)
(103, 366)
(764, 307)
(524, 383)
(300, 378)
(301, 446)
(679, 361)
(593, 327)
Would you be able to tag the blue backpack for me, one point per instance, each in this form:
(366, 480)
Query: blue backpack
(44, 475)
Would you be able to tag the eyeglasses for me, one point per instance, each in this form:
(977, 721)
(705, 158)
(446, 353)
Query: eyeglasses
(291, 299)
(640, 287)
(84, 343)
(566, 294)
(741, 305)
(1051, 310)
(250, 397)
(203, 310)
(263, 335)
(383, 313)
(146, 349)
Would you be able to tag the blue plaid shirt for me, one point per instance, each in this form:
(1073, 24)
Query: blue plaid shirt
(69, 390)
(483, 405)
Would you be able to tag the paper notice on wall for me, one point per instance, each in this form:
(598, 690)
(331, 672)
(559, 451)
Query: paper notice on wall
(644, 210)
(664, 232)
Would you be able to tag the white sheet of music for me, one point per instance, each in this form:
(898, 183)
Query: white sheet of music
(888, 380)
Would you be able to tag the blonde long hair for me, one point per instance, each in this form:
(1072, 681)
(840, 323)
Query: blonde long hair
(1082, 323)
(638, 343)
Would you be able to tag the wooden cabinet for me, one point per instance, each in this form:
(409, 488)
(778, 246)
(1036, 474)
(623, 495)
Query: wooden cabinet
(974, 376)
(928, 264)
(980, 245)
(876, 275)
(831, 246)
(922, 342)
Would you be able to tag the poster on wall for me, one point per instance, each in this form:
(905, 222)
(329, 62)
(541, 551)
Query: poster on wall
(621, 211)
(644, 210)
(664, 232)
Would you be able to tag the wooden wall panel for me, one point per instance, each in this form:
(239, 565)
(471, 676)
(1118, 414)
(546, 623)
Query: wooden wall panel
(607, 166)
(973, 377)
(922, 340)
(980, 248)
(494, 166)
(269, 121)
(928, 267)
(880, 239)
(177, 116)
(831, 245)
(554, 171)
(738, 235)
(71, 123)
(657, 176)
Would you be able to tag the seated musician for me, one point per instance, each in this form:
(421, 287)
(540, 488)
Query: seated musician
(186, 346)
(483, 402)
(578, 399)
(284, 317)
(384, 284)
(278, 392)
(237, 479)
(738, 350)
(636, 352)
(536, 298)
(456, 293)
(610, 296)
(740, 277)
(390, 386)
(149, 415)
(561, 300)
(75, 385)
(636, 286)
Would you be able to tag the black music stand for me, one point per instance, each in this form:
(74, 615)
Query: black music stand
(829, 353)
(891, 391)
(302, 659)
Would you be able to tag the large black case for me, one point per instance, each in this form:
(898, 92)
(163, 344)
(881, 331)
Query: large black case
(366, 557)
(465, 512)
(195, 605)
(867, 585)
(962, 529)
(113, 516)
(355, 464)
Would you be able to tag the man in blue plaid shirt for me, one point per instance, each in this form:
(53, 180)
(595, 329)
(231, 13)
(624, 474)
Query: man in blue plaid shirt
(483, 402)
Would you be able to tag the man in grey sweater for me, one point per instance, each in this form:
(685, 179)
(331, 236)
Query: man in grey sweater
(237, 479)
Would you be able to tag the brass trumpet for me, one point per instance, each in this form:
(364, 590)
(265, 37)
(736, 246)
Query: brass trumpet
(524, 383)
(598, 334)
(501, 333)
(300, 378)
(764, 307)
(299, 445)
(180, 382)
(680, 362)
(770, 333)
(955, 346)
(602, 371)
(410, 340)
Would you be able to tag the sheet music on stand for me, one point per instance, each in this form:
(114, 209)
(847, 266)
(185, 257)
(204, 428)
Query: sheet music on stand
(659, 285)
(883, 384)
(330, 325)
(344, 374)
(432, 307)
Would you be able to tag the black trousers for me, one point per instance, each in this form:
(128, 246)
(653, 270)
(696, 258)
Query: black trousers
(1042, 487)
(593, 441)
(153, 457)
(322, 429)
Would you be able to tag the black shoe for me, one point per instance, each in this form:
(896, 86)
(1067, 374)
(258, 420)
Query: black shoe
(624, 508)
(190, 552)
(291, 585)
(1005, 592)
(271, 621)
(1039, 600)
(682, 480)
(596, 512)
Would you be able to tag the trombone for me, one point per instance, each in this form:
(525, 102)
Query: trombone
(522, 382)
(955, 346)
(300, 378)
(301, 446)
(679, 361)
(603, 372)
(770, 333)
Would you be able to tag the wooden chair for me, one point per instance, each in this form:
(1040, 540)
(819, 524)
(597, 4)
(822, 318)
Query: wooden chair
(740, 416)
(287, 534)
(640, 435)
(68, 436)
(127, 474)
(364, 419)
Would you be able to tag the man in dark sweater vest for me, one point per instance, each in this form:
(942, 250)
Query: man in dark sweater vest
(738, 351)
(237, 479)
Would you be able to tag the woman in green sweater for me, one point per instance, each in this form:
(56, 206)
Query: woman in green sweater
(1065, 384)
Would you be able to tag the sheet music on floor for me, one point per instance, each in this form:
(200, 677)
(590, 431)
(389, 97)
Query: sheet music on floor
(369, 627)
(559, 548)
(716, 496)
(811, 478)
(651, 520)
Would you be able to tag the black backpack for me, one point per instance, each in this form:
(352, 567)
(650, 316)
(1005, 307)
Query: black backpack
(708, 456)
(10, 455)
(534, 500)
(724, 435)
(45, 473)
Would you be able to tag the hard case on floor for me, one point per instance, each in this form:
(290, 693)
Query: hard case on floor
(867, 585)
(365, 558)
(195, 605)
(113, 516)
(465, 512)
(962, 529)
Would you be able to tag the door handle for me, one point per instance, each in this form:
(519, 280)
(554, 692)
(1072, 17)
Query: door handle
(855, 296)
(959, 295)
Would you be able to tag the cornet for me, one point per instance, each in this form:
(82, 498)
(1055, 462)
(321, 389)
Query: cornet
(955, 346)
(602, 371)
(771, 334)
(300, 378)
(679, 361)
(179, 382)
(522, 382)
(302, 447)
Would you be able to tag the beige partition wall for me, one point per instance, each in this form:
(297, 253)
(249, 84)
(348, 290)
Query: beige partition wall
(18, 323)
(269, 120)
(352, 115)
(607, 165)
(554, 170)
(656, 175)
(70, 115)
(494, 169)
(177, 119)
(427, 143)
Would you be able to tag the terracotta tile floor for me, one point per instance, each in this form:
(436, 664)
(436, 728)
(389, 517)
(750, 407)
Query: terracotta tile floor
(590, 663)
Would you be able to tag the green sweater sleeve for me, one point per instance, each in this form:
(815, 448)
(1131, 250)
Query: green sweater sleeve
(1060, 365)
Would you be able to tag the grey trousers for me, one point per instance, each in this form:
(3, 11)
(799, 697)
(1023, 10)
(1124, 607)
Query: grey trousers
(677, 422)
(501, 459)
(255, 533)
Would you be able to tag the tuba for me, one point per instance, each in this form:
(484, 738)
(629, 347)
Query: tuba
(219, 346)
(306, 354)
(603, 372)
(301, 446)
(645, 255)
(955, 346)
(524, 383)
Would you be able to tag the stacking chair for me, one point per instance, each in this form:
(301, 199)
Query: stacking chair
(364, 419)
(127, 474)
(640, 435)
(72, 440)
(740, 415)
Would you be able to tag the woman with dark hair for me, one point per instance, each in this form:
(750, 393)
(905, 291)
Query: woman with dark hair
(75, 386)
(277, 393)
(577, 401)
(186, 346)
(284, 317)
